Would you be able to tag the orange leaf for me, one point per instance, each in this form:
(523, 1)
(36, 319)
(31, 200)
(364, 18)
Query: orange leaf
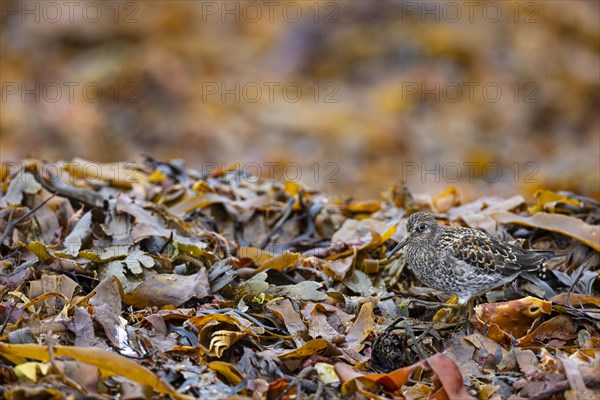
(105, 360)
(308, 349)
(513, 317)
(445, 369)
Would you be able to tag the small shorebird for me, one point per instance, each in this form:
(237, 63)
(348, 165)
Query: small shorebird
(464, 261)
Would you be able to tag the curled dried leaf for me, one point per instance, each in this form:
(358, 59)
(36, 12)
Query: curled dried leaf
(512, 317)
(563, 224)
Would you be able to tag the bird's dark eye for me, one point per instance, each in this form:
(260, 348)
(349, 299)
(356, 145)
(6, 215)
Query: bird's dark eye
(421, 227)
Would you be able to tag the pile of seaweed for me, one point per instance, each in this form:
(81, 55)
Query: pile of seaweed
(143, 279)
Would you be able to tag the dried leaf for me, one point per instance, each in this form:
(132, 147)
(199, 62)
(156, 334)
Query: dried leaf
(169, 289)
(308, 349)
(361, 328)
(84, 330)
(527, 360)
(41, 251)
(478, 213)
(445, 369)
(576, 299)
(366, 233)
(232, 376)
(218, 332)
(364, 206)
(513, 317)
(359, 282)
(326, 373)
(118, 174)
(106, 254)
(446, 200)
(338, 269)
(266, 260)
(191, 246)
(137, 259)
(106, 361)
(320, 325)
(53, 284)
(577, 389)
(285, 311)
(86, 375)
(563, 224)
(303, 291)
(107, 310)
(24, 182)
(80, 232)
(145, 224)
(547, 200)
(559, 327)
(117, 226)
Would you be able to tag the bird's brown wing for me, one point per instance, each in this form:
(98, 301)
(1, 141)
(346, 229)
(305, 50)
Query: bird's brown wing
(490, 254)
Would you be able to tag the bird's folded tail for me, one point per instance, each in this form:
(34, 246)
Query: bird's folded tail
(533, 261)
(539, 275)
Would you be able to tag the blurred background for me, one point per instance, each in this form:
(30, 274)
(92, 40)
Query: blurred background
(349, 97)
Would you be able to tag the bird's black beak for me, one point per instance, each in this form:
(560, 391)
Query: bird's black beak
(399, 246)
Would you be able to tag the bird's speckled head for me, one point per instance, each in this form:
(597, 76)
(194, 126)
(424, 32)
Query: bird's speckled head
(421, 230)
(420, 222)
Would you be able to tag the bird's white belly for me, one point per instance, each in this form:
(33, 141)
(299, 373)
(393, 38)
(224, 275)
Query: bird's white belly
(461, 279)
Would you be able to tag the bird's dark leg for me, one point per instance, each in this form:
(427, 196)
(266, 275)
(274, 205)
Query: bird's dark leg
(470, 305)
(435, 304)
